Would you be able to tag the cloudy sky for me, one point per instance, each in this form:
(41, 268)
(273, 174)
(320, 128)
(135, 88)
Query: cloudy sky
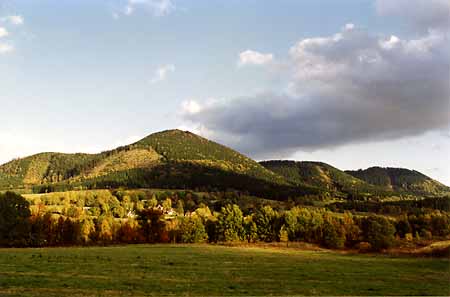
(354, 83)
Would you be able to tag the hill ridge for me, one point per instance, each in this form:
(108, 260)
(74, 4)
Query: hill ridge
(400, 179)
(155, 160)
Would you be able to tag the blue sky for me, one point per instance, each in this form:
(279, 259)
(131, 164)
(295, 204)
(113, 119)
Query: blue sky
(91, 75)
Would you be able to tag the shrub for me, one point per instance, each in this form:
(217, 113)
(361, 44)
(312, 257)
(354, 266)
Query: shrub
(364, 247)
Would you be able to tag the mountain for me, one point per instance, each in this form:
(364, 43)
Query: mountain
(180, 159)
(401, 180)
(321, 175)
(168, 159)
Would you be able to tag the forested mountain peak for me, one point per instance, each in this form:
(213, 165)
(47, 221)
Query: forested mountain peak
(400, 179)
(152, 161)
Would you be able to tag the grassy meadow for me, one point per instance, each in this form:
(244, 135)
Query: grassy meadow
(200, 270)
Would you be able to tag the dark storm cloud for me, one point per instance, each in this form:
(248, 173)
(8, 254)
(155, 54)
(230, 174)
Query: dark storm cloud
(346, 88)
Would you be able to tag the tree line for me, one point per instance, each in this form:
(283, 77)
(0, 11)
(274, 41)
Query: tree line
(162, 223)
(395, 207)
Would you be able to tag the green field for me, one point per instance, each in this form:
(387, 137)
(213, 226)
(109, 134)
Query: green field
(194, 270)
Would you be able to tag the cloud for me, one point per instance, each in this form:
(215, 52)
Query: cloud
(158, 8)
(13, 19)
(162, 72)
(128, 10)
(350, 87)
(3, 32)
(191, 107)
(6, 48)
(250, 57)
(421, 14)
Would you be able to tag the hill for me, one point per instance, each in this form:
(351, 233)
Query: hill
(168, 159)
(324, 176)
(401, 180)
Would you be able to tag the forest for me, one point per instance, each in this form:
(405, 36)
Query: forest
(120, 216)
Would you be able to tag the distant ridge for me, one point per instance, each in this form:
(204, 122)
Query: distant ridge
(322, 175)
(401, 179)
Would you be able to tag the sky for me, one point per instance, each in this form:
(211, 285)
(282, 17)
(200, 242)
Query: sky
(354, 83)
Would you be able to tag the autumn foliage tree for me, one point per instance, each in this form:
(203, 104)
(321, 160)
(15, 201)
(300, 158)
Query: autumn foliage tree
(14, 215)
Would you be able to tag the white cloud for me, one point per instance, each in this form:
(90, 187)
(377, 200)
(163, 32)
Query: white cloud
(250, 57)
(14, 19)
(162, 73)
(3, 32)
(191, 107)
(129, 9)
(6, 48)
(349, 26)
(158, 8)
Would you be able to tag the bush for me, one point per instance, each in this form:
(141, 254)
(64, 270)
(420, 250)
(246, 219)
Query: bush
(364, 247)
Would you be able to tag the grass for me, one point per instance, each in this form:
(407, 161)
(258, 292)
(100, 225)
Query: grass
(201, 270)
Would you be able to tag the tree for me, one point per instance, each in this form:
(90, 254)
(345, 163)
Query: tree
(153, 202)
(38, 234)
(440, 223)
(267, 221)
(284, 237)
(402, 227)
(230, 223)
(333, 232)
(379, 232)
(192, 230)
(50, 229)
(86, 228)
(152, 224)
(68, 231)
(127, 204)
(129, 232)
(105, 231)
(167, 204)
(180, 207)
(352, 230)
(14, 216)
(251, 230)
